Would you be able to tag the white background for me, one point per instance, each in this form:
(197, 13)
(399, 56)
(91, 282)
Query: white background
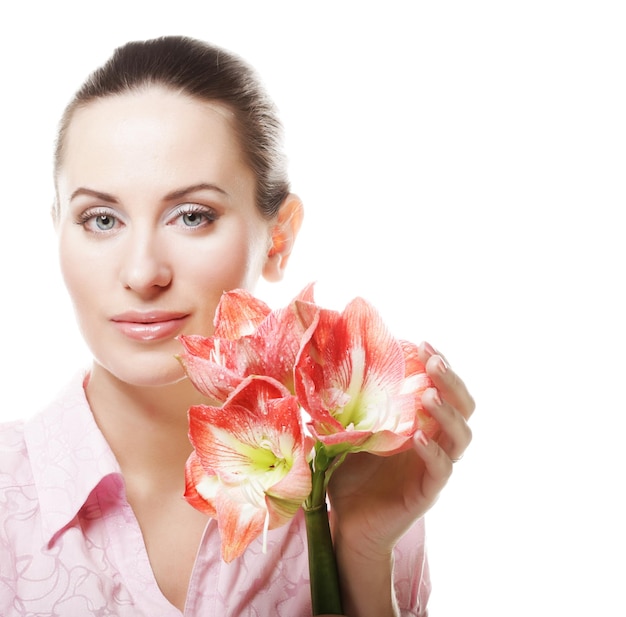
(462, 166)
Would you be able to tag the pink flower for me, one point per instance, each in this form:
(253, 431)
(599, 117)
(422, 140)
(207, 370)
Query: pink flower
(253, 466)
(360, 385)
(249, 339)
(249, 468)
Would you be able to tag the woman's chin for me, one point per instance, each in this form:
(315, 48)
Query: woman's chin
(141, 375)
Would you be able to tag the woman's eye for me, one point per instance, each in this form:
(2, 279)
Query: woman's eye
(192, 219)
(192, 216)
(97, 222)
(104, 222)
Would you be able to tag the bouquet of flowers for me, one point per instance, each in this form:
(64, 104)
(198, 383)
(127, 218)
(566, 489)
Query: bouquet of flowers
(296, 389)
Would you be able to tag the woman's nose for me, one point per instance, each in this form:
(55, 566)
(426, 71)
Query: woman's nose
(145, 267)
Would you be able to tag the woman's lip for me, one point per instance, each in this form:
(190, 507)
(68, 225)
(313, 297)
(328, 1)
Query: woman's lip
(151, 326)
(148, 316)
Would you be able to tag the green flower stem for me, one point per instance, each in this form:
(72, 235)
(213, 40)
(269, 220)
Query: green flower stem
(325, 595)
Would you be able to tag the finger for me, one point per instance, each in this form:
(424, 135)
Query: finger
(437, 465)
(455, 434)
(450, 385)
(426, 350)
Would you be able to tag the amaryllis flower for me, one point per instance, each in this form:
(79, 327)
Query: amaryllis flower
(249, 468)
(249, 339)
(360, 385)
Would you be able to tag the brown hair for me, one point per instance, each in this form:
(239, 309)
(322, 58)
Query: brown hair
(205, 72)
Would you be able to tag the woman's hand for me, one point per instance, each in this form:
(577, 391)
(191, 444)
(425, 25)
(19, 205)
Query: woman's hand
(375, 499)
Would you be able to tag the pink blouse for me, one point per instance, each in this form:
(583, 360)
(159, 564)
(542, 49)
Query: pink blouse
(71, 546)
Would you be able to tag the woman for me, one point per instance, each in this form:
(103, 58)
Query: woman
(171, 188)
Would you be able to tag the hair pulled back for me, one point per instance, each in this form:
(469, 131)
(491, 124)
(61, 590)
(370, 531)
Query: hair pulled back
(207, 73)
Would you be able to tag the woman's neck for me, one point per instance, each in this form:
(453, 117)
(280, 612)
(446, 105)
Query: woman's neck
(146, 427)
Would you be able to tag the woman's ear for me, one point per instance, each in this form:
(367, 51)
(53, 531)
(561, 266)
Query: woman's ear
(284, 232)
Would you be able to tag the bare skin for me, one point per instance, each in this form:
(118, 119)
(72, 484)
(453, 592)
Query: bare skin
(172, 532)
(152, 468)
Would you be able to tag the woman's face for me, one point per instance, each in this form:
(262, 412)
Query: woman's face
(157, 219)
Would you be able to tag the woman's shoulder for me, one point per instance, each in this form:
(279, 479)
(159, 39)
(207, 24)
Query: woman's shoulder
(12, 447)
(16, 474)
(17, 482)
(16, 437)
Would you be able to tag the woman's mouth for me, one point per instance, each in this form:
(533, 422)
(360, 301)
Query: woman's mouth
(150, 325)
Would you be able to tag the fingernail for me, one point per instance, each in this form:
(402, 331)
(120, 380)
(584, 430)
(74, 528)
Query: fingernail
(437, 398)
(442, 367)
(429, 348)
(421, 437)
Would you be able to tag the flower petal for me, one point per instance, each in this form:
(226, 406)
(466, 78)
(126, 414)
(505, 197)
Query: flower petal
(353, 378)
(255, 446)
(238, 314)
(249, 339)
(200, 487)
(211, 365)
(418, 381)
(239, 523)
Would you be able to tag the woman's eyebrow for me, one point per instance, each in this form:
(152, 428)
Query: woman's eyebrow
(177, 194)
(203, 186)
(91, 193)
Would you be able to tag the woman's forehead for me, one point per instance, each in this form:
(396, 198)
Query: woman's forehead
(152, 122)
(152, 137)
(145, 99)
